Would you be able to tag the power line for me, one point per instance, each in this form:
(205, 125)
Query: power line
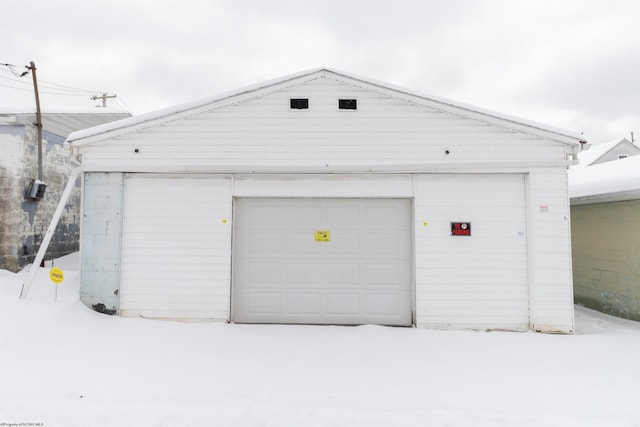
(49, 85)
(63, 87)
(57, 89)
(48, 92)
(16, 88)
(124, 105)
(12, 70)
(54, 87)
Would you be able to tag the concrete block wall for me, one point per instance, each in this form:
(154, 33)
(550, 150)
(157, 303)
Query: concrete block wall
(606, 257)
(23, 222)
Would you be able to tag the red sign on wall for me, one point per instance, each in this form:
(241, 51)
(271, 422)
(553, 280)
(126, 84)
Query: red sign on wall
(461, 229)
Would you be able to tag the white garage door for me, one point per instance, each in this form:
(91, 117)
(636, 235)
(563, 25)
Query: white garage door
(322, 261)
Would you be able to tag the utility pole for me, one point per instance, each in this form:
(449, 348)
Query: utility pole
(104, 98)
(38, 124)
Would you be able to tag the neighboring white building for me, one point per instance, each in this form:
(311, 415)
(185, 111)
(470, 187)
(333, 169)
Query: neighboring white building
(608, 151)
(24, 219)
(327, 198)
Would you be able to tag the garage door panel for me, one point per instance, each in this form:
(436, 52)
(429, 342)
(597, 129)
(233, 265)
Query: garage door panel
(264, 216)
(263, 273)
(300, 244)
(342, 274)
(302, 216)
(304, 303)
(343, 303)
(261, 243)
(263, 302)
(386, 245)
(362, 274)
(388, 275)
(383, 218)
(343, 217)
(342, 244)
(303, 274)
(383, 304)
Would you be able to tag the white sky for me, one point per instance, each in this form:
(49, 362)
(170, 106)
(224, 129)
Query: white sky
(573, 64)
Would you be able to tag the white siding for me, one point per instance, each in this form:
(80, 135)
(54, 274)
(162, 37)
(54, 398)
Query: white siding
(478, 281)
(176, 249)
(512, 273)
(550, 251)
(264, 132)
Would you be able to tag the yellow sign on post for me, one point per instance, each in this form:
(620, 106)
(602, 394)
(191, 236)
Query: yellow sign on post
(56, 275)
(323, 236)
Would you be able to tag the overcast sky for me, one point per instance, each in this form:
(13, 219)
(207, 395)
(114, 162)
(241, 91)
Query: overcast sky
(573, 64)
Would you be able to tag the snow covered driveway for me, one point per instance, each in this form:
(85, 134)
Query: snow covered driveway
(65, 365)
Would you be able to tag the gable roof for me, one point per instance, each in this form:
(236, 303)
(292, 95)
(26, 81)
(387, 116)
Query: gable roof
(605, 182)
(110, 130)
(597, 151)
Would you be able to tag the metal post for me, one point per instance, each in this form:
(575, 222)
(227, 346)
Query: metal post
(38, 123)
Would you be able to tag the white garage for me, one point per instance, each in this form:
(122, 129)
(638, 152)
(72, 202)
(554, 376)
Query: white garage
(325, 198)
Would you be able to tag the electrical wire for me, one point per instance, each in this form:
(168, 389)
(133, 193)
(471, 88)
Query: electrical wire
(17, 88)
(51, 88)
(123, 104)
(11, 69)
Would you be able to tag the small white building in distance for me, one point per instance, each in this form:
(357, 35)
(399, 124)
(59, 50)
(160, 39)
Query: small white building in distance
(608, 151)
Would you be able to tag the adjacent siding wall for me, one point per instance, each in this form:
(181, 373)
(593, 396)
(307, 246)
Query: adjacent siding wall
(176, 247)
(606, 257)
(550, 251)
(478, 281)
(101, 241)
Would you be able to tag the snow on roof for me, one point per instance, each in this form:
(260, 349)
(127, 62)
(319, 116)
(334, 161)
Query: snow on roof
(62, 122)
(7, 110)
(598, 150)
(194, 107)
(606, 182)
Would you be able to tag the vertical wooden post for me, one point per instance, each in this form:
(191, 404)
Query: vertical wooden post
(38, 123)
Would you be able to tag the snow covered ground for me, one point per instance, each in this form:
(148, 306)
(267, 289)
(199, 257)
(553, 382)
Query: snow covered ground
(62, 364)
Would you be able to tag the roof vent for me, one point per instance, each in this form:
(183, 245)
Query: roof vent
(299, 103)
(348, 104)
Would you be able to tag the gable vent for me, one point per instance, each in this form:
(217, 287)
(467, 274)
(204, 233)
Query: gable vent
(348, 104)
(299, 103)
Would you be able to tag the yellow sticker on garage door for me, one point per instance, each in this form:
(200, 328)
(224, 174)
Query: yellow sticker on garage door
(323, 236)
